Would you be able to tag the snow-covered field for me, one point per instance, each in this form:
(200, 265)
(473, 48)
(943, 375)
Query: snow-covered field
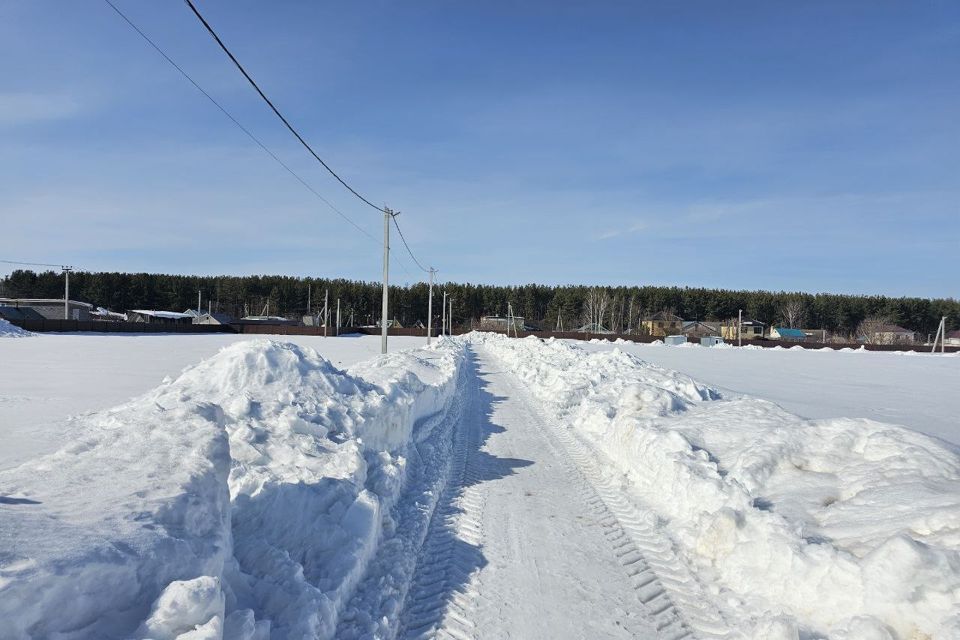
(312, 488)
(918, 390)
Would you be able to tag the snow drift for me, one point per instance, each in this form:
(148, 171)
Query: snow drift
(242, 500)
(805, 529)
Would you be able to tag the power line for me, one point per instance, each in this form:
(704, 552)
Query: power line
(33, 264)
(237, 122)
(412, 257)
(274, 108)
(260, 143)
(290, 127)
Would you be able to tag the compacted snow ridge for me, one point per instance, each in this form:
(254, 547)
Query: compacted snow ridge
(836, 528)
(244, 499)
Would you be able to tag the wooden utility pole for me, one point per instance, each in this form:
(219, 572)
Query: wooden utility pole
(326, 311)
(430, 307)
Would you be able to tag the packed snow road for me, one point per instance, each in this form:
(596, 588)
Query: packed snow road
(538, 563)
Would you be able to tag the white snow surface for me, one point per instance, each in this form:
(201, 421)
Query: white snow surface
(838, 528)
(267, 492)
(243, 499)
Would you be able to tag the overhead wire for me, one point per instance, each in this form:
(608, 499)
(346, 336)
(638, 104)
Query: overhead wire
(257, 140)
(412, 257)
(239, 125)
(276, 111)
(292, 130)
(33, 264)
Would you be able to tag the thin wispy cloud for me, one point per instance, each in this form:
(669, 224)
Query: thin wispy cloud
(18, 109)
(636, 227)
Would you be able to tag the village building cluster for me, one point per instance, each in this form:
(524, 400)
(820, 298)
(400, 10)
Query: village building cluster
(663, 325)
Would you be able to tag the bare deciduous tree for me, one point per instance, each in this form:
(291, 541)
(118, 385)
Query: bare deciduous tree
(595, 308)
(793, 313)
(871, 329)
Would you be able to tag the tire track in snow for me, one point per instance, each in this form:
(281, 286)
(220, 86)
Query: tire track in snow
(672, 597)
(444, 592)
(375, 608)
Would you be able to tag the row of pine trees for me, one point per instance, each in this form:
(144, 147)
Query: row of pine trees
(543, 306)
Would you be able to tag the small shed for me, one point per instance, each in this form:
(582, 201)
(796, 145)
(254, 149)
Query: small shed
(709, 341)
(675, 340)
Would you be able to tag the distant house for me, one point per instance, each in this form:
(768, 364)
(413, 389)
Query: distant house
(153, 316)
(784, 333)
(698, 329)
(891, 334)
(213, 318)
(749, 329)
(51, 308)
(952, 339)
(662, 324)
(18, 313)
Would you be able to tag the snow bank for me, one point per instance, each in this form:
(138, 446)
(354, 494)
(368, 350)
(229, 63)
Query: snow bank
(8, 330)
(242, 500)
(843, 528)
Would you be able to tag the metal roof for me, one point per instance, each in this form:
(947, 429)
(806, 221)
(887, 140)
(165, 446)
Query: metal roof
(173, 315)
(790, 333)
(44, 301)
(19, 313)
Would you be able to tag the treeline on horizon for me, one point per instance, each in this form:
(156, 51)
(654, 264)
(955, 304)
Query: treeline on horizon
(540, 305)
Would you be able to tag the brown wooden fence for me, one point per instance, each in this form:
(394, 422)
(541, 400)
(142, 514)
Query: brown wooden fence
(45, 325)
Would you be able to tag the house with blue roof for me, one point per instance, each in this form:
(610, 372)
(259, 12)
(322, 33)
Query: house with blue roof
(783, 333)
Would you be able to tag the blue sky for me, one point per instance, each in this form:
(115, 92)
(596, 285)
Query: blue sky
(800, 146)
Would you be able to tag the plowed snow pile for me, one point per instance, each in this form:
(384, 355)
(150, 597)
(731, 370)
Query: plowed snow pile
(799, 528)
(244, 498)
(8, 330)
